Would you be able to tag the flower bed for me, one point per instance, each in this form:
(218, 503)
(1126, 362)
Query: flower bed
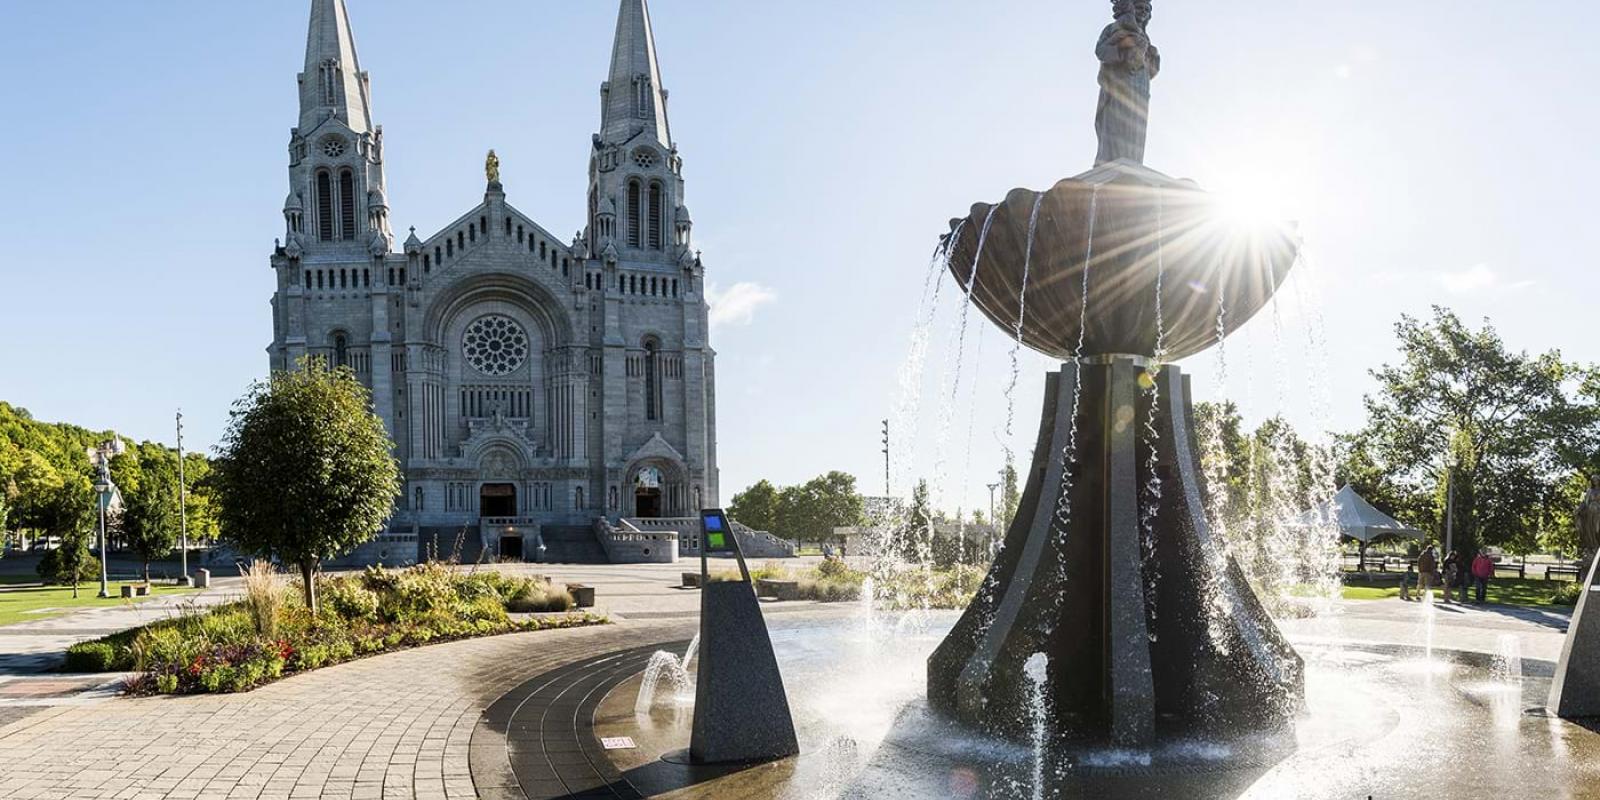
(239, 646)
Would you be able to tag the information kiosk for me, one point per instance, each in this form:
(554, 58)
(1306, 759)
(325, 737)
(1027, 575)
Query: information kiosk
(741, 714)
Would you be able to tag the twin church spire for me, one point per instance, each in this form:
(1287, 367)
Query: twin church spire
(336, 154)
(333, 81)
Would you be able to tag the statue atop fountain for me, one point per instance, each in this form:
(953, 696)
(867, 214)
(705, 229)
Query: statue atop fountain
(1111, 569)
(1128, 61)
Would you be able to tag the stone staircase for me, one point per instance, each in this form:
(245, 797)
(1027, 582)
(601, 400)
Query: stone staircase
(572, 544)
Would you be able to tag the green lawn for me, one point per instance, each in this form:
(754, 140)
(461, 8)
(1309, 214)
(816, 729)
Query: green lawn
(15, 603)
(1505, 591)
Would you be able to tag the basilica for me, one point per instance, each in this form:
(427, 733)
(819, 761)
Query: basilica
(537, 388)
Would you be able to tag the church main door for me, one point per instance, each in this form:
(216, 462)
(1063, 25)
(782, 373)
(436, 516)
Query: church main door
(647, 494)
(498, 500)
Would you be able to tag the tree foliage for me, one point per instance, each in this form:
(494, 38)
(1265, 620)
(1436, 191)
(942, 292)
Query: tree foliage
(306, 471)
(806, 512)
(1460, 408)
(757, 506)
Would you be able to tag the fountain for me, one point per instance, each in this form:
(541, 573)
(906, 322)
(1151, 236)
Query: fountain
(1110, 568)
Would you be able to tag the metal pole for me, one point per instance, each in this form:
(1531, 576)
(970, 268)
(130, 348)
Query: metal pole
(1449, 509)
(183, 510)
(105, 584)
(887, 492)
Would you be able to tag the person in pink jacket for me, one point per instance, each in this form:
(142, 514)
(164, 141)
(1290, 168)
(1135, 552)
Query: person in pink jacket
(1482, 571)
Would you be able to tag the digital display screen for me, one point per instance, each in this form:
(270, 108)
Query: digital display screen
(716, 531)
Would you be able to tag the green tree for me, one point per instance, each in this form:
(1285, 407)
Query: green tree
(1460, 408)
(306, 471)
(150, 519)
(810, 512)
(1010, 497)
(71, 516)
(757, 507)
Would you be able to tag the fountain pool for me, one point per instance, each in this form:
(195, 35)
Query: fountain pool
(1374, 723)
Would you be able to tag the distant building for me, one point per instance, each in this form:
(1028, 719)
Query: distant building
(534, 386)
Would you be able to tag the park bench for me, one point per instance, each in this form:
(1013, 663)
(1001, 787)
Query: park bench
(1520, 569)
(1553, 570)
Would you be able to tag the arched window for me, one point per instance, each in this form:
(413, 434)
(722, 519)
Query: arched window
(319, 279)
(427, 263)
(449, 248)
(341, 350)
(347, 204)
(655, 216)
(438, 255)
(308, 279)
(391, 276)
(324, 206)
(508, 226)
(652, 403)
(633, 214)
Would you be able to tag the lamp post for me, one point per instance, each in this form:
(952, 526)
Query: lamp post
(103, 486)
(183, 509)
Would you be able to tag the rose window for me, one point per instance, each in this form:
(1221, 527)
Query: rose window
(645, 158)
(333, 147)
(495, 345)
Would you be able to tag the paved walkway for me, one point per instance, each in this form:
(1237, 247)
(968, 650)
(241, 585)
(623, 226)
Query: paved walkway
(400, 725)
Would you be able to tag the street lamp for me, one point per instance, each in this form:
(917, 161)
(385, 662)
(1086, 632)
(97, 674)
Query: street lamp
(103, 486)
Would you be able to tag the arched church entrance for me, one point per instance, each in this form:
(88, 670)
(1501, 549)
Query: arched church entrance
(497, 500)
(647, 493)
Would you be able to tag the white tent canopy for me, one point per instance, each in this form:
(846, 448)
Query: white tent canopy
(1358, 520)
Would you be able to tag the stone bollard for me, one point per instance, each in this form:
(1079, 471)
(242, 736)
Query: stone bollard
(127, 590)
(202, 579)
(582, 596)
(691, 580)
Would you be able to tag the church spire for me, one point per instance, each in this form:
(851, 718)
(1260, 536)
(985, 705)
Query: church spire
(634, 101)
(333, 83)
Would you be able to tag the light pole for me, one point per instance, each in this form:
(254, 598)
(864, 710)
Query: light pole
(103, 486)
(886, 490)
(992, 522)
(183, 509)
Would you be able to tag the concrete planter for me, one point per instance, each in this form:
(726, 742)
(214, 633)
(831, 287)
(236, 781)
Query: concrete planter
(778, 590)
(582, 596)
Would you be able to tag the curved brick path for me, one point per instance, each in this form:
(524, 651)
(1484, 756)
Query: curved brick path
(393, 726)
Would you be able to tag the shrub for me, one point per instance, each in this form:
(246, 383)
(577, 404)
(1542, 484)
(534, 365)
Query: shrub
(538, 596)
(91, 657)
(349, 599)
(833, 567)
(770, 571)
(419, 591)
(53, 570)
(264, 596)
(1567, 594)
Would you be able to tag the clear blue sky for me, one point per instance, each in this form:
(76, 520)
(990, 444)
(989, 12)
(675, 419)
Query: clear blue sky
(1434, 151)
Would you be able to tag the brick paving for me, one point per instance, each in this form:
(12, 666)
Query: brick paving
(393, 726)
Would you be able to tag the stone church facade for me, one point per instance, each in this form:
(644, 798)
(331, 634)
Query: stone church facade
(534, 386)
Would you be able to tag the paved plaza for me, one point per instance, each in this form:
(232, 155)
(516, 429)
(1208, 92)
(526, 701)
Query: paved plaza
(401, 725)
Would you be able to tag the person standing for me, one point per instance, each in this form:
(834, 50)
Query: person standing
(1427, 572)
(1482, 571)
(1407, 580)
(1452, 573)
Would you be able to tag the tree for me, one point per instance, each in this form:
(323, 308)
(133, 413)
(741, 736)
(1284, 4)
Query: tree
(306, 470)
(757, 507)
(150, 520)
(1461, 410)
(71, 516)
(1010, 497)
(811, 511)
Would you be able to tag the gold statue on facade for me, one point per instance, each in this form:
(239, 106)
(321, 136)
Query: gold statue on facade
(491, 167)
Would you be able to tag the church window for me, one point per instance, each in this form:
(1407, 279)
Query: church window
(341, 350)
(565, 268)
(633, 214)
(472, 234)
(461, 240)
(519, 234)
(543, 250)
(655, 216)
(427, 263)
(652, 287)
(347, 204)
(391, 276)
(324, 206)
(633, 284)
(508, 226)
(366, 278)
(308, 279)
(495, 345)
(674, 287)
(333, 147)
(531, 248)
(651, 402)
(483, 225)
(622, 284)
(438, 255)
(402, 275)
(450, 247)
(645, 157)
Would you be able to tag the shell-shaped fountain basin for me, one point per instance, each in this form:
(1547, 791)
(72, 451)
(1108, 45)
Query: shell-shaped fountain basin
(1140, 233)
